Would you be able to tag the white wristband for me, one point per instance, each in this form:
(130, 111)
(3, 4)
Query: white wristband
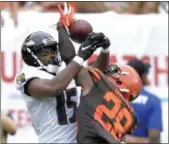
(78, 60)
(105, 50)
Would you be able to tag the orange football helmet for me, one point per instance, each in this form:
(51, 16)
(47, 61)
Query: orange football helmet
(126, 79)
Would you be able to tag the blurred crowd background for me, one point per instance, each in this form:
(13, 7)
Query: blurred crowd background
(84, 7)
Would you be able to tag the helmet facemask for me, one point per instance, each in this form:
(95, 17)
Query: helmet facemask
(114, 73)
(53, 65)
(126, 79)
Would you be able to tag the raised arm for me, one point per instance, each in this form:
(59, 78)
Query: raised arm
(67, 50)
(103, 60)
(66, 47)
(83, 77)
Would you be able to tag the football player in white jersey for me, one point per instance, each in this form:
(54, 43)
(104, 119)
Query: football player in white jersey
(51, 105)
(50, 98)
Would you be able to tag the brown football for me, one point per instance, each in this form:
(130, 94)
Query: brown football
(79, 30)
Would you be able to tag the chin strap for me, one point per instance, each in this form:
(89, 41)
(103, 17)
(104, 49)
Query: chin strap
(52, 68)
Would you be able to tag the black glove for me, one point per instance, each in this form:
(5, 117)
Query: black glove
(105, 43)
(96, 36)
(93, 41)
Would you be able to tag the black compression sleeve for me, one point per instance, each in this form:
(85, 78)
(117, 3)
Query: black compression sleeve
(66, 47)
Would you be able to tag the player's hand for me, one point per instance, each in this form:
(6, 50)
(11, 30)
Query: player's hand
(96, 36)
(93, 41)
(66, 17)
(105, 43)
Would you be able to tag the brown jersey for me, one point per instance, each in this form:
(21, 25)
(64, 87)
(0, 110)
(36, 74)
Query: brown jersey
(103, 115)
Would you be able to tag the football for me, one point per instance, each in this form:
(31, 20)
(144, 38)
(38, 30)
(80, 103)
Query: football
(79, 30)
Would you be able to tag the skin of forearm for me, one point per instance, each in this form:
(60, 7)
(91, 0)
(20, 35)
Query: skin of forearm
(103, 61)
(62, 80)
(84, 79)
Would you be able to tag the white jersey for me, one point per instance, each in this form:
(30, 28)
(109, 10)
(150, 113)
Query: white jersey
(53, 118)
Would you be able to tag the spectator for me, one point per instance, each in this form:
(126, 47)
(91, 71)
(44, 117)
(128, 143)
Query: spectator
(7, 127)
(148, 109)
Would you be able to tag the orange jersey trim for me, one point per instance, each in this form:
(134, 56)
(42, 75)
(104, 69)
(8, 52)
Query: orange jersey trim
(95, 73)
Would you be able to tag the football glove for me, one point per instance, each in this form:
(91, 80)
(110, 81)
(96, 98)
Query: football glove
(105, 43)
(93, 41)
(66, 17)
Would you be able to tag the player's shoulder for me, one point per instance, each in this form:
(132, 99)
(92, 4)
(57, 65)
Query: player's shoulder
(27, 73)
(20, 77)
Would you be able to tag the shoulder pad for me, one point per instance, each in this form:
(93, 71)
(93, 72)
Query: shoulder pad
(23, 76)
(20, 80)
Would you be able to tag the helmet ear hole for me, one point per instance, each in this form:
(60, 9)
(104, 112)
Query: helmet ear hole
(28, 59)
(118, 82)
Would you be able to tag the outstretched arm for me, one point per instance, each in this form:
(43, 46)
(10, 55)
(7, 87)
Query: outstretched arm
(103, 60)
(66, 47)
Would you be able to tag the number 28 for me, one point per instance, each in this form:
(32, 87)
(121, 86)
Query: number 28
(116, 112)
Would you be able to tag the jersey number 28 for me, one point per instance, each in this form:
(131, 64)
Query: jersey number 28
(62, 103)
(113, 118)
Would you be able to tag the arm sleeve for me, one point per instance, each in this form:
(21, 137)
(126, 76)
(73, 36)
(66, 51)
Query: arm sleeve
(66, 47)
(155, 120)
